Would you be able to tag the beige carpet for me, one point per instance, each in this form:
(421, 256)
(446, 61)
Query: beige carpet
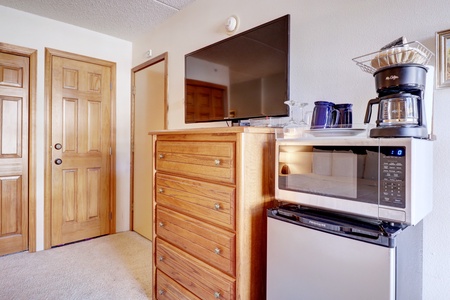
(116, 266)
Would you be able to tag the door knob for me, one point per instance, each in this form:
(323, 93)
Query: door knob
(58, 146)
(58, 161)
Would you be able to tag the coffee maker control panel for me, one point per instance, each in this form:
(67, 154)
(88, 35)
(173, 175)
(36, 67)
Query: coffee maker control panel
(392, 177)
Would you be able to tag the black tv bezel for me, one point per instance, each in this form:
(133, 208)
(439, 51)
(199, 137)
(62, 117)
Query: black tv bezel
(237, 119)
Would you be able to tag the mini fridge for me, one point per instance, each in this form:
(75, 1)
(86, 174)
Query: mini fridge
(319, 255)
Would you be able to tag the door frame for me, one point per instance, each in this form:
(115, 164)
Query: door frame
(163, 57)
(32, 56)
(49, 54)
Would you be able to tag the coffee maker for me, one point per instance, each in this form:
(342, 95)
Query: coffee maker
(401, 103)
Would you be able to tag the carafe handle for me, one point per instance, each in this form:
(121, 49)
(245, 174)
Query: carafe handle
(369, 109)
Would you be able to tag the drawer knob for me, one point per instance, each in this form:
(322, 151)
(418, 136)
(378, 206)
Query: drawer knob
(161, 258)
(161, 190)
(161, 224)
(217, 206)
(161, 155)
(161, 292)
(216, 295)
(217, 251)
(217, 162)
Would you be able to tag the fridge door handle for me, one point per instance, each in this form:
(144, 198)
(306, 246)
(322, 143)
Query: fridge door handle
(330, 226)
(321, 224)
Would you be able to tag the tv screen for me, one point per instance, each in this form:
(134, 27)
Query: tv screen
(242, 77)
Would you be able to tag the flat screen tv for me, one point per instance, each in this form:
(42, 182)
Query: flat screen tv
(242, 77)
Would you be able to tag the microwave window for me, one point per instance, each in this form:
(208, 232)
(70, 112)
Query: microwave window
(341, 172)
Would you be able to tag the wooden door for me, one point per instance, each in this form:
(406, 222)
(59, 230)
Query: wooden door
(81, 150)
(148, 113)
(14, 85)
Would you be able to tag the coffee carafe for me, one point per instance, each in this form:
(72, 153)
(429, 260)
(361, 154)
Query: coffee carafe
(401, 109)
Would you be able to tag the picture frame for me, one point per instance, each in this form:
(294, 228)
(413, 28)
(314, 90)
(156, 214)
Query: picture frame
(443, 59)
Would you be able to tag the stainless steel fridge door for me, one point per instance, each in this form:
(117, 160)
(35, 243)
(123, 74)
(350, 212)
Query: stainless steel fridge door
(304, 263)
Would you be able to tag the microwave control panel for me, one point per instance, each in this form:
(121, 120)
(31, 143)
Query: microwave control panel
(392, 176)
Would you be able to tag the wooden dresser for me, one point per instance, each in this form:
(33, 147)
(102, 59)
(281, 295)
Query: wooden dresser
(212, 188)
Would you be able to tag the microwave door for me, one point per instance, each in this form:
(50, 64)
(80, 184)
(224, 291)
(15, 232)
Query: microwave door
(337, 172)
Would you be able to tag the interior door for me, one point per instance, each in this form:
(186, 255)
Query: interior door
(14, 81)
(149, 114)
(81, 150)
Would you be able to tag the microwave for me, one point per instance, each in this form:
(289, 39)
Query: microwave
(388, 179)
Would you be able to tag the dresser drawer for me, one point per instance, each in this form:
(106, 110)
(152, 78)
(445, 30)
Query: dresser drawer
(196, 276)
(212, 203)
(167, 289)
(205, 160)
(206, 242)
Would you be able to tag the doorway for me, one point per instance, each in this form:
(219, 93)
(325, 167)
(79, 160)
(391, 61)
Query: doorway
(17, 149)
(148, 112)
(80, 137)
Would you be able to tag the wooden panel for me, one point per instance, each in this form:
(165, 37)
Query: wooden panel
(11, 206)
(93, 191)
(94, 82)
(11, 76)
(70, 79)
(167, 289)
(256, 194)
(208, 243)
(221, 134)
(11, 167)
(203, 280)
(217, 149)
(170, 290)
(70, 125)
(205, 160)
(94, 130)
(11, 127)
(69, 194)
(211, 203)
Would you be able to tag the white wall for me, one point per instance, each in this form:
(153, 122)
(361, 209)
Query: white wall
(26, 30)
(325, 36)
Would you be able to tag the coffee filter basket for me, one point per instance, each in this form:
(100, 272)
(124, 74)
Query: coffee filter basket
(405, 53)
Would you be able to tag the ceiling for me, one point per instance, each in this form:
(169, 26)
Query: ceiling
(126, 20)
